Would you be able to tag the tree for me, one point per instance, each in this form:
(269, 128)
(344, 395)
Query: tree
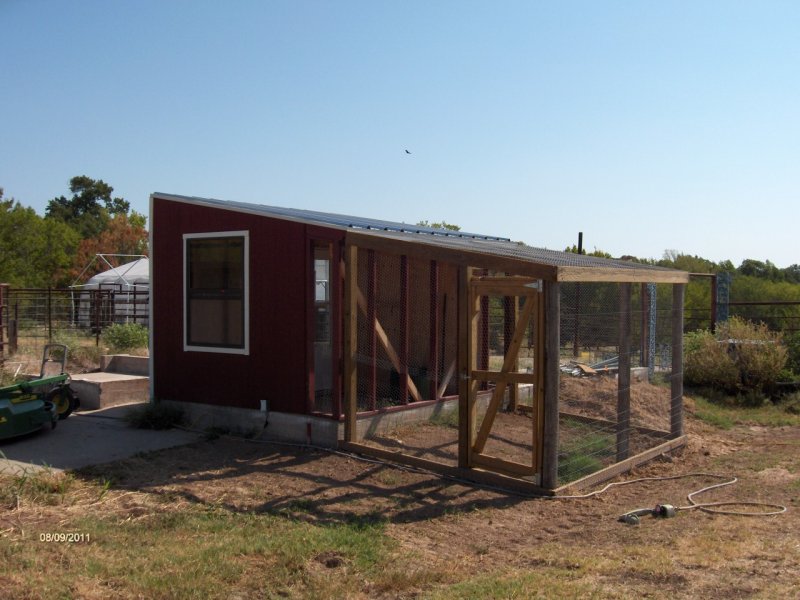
(84, 211)
(123, 235)
(35, 252)
(439, 225)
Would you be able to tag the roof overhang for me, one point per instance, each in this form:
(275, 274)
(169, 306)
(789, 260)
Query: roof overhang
(520, 260)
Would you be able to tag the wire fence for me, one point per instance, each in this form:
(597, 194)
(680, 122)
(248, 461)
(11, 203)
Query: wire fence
(614, 393)
(32, 317)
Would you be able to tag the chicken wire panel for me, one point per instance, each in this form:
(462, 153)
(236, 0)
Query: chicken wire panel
(406, 352)
(597, 425)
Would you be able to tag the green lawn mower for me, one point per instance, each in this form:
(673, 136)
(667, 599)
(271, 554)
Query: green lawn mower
(27, 406)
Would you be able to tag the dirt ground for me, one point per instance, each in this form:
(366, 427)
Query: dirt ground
(512, 434)
(478, 530)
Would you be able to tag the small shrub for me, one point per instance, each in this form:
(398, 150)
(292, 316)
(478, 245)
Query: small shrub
(155, 416)
(121, 337)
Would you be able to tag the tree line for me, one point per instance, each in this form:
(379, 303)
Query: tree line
(54, 250)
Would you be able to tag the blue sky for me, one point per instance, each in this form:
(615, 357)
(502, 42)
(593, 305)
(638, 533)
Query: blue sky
(649, 126)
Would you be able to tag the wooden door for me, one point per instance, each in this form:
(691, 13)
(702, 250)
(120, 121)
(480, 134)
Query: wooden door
(505, 376)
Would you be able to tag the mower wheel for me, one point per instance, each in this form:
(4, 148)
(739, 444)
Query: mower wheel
(48, 407)
(64, 400)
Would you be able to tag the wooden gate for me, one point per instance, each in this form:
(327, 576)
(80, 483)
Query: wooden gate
(506, 389)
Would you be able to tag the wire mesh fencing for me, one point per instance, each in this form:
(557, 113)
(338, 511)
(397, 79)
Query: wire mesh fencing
(406, 355)
(35, 317)
(614, 392)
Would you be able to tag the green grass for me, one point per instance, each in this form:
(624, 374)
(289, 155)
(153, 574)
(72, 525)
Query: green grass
(200, 552)
(584, 451)
(445, 419)
(725, 416)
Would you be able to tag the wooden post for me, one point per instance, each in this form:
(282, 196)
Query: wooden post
(552, 372)
(404, 372)
(644, 344)
(433, 353)
(350, 374)
(676, 379)
(510, 312)
(624, 373)
(483, 356)
(336, 298)
(372, 337)
(467, 357)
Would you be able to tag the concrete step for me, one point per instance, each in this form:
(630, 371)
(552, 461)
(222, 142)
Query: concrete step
(125, 363)
(101, 390)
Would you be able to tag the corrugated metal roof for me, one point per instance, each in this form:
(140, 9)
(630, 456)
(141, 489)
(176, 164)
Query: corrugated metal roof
(563, 266)
(323, 218)
(518, 250)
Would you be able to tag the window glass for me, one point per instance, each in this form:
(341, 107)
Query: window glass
(215, 292)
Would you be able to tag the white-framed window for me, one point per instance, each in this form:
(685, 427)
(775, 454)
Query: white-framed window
(216, 292)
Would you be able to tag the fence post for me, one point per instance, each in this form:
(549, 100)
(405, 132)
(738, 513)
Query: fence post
(551, 374)
(652, 296)
(49, 314)
(723, 296)
(3, 309)
(676, 380)
(624, 373)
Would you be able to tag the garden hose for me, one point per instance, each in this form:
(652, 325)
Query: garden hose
(667, 510)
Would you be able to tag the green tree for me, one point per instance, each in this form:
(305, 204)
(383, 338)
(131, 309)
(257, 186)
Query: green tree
(90, 208)
(35, 252)
(439, 225)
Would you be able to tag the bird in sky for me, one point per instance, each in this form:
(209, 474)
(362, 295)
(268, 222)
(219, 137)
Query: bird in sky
(407, 152)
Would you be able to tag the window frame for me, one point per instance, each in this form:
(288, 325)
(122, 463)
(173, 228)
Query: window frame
(245, 349)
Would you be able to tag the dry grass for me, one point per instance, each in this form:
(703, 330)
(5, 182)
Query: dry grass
(235, 519)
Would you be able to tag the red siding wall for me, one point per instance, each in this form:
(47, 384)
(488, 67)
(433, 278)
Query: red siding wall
(277, 367)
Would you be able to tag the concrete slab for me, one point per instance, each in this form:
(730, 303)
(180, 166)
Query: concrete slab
(101, 390)
(87, 438)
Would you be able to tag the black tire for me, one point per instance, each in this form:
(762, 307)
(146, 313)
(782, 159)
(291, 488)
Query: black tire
(64, 400)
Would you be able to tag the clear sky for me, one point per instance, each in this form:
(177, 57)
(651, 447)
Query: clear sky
(647, 125)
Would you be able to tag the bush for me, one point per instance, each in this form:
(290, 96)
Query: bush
(707, 362)
(742, 358)
(126, 336)
(792, 343)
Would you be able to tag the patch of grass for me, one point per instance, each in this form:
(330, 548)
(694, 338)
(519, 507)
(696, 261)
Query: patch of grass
(583, 451)
(45, 486)
(154, 416)
(81, 349)
(541, 583)
(725, 416)
(445, 419)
